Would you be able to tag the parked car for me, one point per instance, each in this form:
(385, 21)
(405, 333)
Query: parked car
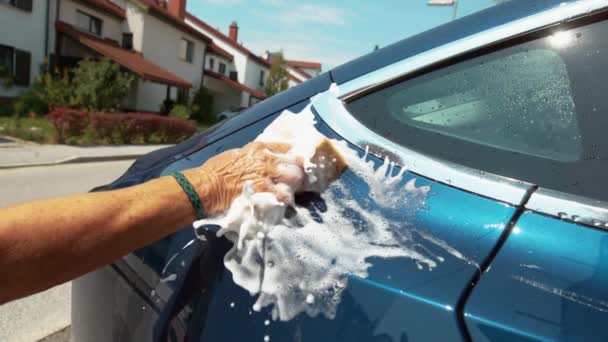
(502, 113)
(230, 113)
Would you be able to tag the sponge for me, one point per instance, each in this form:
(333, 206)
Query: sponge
(326, 165)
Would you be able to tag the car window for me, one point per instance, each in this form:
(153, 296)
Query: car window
(520, 102)
(533, 111)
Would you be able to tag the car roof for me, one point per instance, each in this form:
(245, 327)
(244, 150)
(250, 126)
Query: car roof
(480, 21)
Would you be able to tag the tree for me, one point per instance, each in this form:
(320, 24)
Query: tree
(278, 79)
(100, 85)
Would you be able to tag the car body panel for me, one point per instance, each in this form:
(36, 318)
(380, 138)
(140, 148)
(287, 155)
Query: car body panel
(548, 282)
(177, 288)
(184, 279)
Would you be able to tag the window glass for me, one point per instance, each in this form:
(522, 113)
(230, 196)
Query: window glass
(261, 77)
(211, 63)
(6, 61)
(534, 111)
(127, 41)
(89, 23)
(519, 102)
(222, 68)
(186, 50)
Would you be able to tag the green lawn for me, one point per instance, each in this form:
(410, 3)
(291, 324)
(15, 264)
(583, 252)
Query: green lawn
(38, 130)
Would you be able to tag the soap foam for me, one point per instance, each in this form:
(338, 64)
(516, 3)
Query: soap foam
(296, 260)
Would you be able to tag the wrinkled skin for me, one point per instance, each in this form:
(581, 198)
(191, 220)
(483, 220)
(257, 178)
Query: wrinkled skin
(266, 165)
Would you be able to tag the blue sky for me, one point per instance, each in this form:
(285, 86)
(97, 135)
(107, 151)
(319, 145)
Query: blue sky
(330, 32)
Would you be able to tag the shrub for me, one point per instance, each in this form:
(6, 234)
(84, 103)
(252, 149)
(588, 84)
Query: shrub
(202, 106)
(119, 128)
(100, 85)
(68, 123)
(29, 103)
(180, 111)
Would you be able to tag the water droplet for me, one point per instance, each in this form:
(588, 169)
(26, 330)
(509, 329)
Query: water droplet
(562, 215)
(266, 338)
(597, 223)
(575, 218)
(271, 264)
(232, 304)
(267, 322)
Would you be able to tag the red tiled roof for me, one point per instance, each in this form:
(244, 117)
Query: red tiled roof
(131, 60)
(155, 7)
(219, 51)
(107, 7)
(255, 93)
(304, 64)
(300, 72)
(228, 41)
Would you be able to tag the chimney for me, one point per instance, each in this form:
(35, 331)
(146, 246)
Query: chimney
(177, 8)
(234, 31)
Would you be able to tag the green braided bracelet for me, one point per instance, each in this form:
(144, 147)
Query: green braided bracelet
(195, 200)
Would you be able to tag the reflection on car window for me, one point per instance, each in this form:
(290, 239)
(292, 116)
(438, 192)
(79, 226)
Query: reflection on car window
(519, 102)
(534, 110)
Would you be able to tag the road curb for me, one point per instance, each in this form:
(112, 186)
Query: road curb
(73, 160)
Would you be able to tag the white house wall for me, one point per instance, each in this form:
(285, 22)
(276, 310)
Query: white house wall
(27, 33)
(135, 24)
(252, 75)
(111, 27)
(161, 43)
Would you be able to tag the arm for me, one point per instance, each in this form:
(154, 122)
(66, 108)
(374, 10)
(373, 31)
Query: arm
(45, 243)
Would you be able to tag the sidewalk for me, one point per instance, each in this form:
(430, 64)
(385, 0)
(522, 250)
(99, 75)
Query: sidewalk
(15, 154)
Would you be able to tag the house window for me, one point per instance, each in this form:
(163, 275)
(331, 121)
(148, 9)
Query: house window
(7, 54)
(261, 78)
(222, 69)
(211, 64)
(15, 64)
(127, 41)
(186, 50)
(25, 5)
(182, 95)
(234, 76)
(89, 23)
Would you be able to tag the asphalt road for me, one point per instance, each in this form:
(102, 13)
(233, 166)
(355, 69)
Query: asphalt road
(37, 316)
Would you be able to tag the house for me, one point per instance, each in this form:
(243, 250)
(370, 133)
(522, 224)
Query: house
(170, 50)
(234, 75)
(21, 53)
(146, 37)
(299, 71)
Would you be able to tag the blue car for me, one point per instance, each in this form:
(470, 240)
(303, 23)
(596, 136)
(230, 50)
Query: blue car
(503, 115)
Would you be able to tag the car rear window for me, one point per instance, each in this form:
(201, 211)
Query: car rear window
(534, 111)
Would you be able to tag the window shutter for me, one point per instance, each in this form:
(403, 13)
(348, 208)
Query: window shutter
(25, 5)
(23, 61)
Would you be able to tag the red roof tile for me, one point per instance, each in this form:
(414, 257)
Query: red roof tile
(255, 93)
(228, 41)
(219, 51)
(155, 7)
(107, 7)
(304, 64)
(300, 72)
(131, 60)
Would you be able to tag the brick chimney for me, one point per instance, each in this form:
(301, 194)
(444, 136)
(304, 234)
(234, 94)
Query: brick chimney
(177, 8)
(234, 31)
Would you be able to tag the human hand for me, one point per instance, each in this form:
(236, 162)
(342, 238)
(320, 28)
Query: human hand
(266, 165)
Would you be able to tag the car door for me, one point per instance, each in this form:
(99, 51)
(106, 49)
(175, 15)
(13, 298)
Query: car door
(548, 282)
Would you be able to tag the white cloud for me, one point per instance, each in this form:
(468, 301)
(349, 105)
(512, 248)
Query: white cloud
(309, 13)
